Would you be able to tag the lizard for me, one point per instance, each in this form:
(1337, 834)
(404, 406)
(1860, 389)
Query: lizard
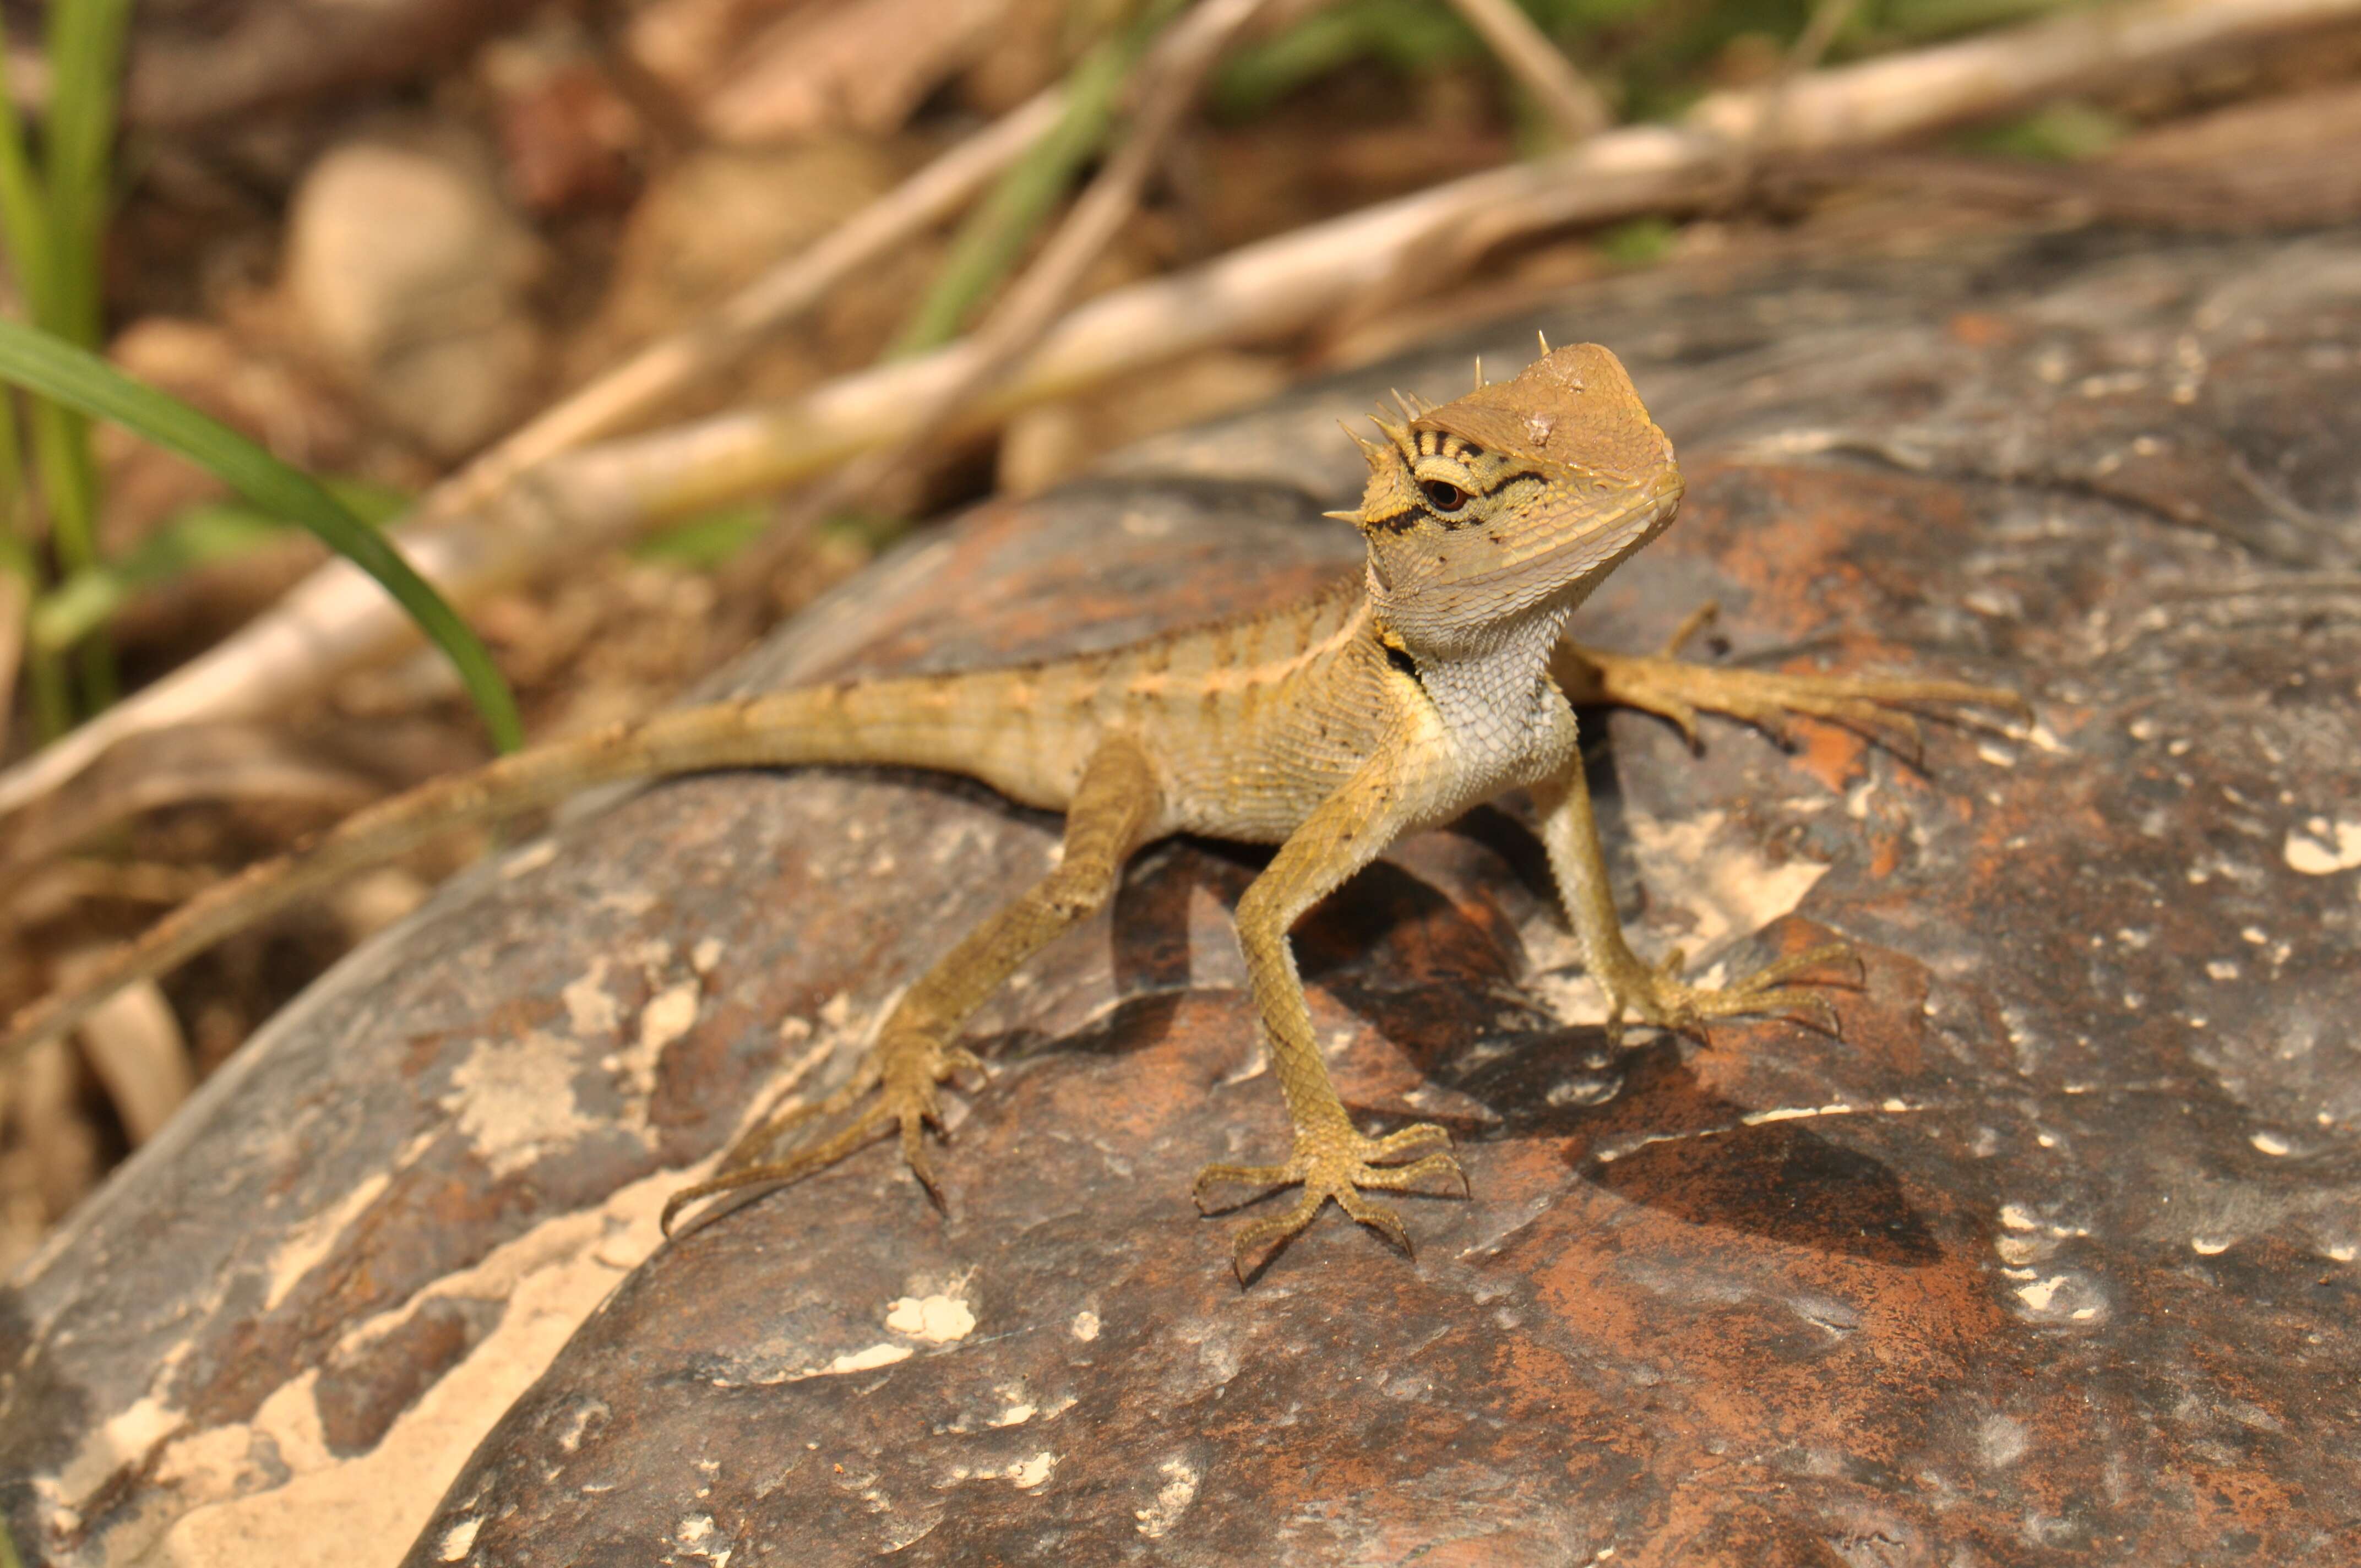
(1391, 702)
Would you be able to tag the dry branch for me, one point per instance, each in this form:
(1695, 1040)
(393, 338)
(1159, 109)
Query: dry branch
(640, 385)
(1572, 103)
(593, 498)
(1169, 82)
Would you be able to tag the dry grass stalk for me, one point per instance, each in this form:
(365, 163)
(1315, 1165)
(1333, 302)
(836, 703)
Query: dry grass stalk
(1572, 103)
(133, 1042)
(592, 498)
(1169, 81)
(640, 386)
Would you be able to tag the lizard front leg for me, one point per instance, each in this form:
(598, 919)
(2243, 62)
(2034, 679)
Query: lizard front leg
(1679, 689)
(1113, 811)
(1655, 992)
(1331, 1159)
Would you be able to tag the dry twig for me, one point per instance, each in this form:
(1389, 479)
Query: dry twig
(1572, 103)
(589, 499)
(1169, 79)
(133, 1042)
(640, 386)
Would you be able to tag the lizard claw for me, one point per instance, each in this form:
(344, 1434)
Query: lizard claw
(1342, 1169)
(904, 1095)
(1656, 994)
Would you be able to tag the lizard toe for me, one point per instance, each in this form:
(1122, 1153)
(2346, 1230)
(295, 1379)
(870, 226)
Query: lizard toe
(1257, 1244)
(1344, 1171)
(1654, 993)
(1257, 1180)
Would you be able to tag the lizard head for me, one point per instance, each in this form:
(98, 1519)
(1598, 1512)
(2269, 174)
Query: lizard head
(1518, 496)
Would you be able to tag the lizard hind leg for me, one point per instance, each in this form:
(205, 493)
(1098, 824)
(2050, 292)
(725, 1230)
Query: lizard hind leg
(898, 1086)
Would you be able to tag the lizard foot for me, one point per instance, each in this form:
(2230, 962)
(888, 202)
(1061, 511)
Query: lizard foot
(1677, 690)
(900, 1080)
(1342, 1168)
(1655, 994)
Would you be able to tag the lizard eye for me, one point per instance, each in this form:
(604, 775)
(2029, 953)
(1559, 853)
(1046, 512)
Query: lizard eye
(1443, 496)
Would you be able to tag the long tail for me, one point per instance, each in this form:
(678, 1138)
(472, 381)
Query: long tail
(956, 723)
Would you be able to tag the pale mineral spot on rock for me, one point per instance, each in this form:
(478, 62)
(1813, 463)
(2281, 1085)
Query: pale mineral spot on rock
(869, 1360)
(460, 1538)
(2001, 1442)
(514, 1099)
(1173, 1499)
(590, 1010)
(1724, 882)
(938, 1320)
(2321, 848)
(698, 1536)
(2061, 1299)
(2020, 1250)
(668, 1017)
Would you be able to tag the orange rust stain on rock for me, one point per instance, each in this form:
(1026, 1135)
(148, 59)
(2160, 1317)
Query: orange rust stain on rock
(1884, 855)
(2244, 1498)
(1832, 754)
(1804, 541)
(1766, 1339)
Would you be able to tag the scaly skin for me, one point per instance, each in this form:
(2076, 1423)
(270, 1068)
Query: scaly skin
(1330, 728)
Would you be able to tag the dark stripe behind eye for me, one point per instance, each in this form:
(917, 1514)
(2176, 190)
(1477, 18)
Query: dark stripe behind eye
(1505, 480)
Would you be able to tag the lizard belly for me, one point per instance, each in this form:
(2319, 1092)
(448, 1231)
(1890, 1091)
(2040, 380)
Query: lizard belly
(1260, 789)
(1260, 793)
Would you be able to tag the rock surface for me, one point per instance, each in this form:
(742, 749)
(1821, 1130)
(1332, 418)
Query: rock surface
(2048, 1260)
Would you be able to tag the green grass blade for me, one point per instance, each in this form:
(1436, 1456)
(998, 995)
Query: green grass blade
(995, 235)
(198, 537)
(69, 486)
(44, 679)
(85, 50)
(55, 369)
(195, 536)
(54, 223)
(24, 207)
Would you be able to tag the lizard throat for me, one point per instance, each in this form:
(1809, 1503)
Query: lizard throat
(1498, 700)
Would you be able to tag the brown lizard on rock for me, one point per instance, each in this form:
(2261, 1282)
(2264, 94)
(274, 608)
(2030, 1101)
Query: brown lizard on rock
(1329, 728)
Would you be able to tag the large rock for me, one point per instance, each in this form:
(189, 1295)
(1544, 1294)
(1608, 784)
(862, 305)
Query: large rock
(2049, 1259)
